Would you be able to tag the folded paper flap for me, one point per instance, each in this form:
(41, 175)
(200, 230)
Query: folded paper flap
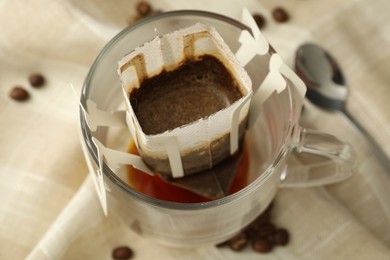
(251, 44)
(275, 81)
(96, 117)
(116, 158)
(96, 175)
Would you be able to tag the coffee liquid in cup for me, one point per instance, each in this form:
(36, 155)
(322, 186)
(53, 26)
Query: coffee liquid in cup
(189, 189)
(195, 90)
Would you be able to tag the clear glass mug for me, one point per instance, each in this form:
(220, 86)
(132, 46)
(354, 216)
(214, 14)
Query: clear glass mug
(275, 135)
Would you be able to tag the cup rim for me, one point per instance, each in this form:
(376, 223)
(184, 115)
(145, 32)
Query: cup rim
(114, 177)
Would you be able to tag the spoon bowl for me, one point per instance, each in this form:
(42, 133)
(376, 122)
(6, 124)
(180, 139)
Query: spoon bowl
(322, 75)
(326, 88)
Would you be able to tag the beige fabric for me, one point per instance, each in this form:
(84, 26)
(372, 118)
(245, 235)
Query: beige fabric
(48, 208)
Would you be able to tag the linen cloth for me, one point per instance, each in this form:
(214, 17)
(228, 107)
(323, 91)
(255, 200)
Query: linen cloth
(48, 206)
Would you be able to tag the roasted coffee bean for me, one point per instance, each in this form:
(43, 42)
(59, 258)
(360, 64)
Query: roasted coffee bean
(122, 253)
(250, 232)
(265, 230)
(223, 244)
(260, 20)
(262, 245)
(280, 15)
(262, 234)
(281, 237)
(238, 242)
(144, 8)
(36, 80)
(19, 93)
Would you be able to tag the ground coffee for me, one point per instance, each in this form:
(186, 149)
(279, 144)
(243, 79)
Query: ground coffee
(195, 90)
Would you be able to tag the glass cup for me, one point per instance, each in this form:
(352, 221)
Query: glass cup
(275, 135)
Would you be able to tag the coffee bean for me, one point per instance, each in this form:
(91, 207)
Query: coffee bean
(223, 244)
(261, 233)
(144, 8)
(36, 80)
(122, 253)
(250, 232)
(262, 245)
(281, 237)
(260, 20)
(19, 93)
(265, 230)
(238, 242)
(280, 15)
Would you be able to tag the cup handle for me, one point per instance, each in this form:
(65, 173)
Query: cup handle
(339, 166)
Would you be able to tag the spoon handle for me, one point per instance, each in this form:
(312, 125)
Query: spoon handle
(376, 149)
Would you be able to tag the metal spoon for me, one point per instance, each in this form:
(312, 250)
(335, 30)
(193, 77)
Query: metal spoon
(326, 88)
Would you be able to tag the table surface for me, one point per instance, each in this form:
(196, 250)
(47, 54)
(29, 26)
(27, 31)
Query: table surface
(42, 167)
